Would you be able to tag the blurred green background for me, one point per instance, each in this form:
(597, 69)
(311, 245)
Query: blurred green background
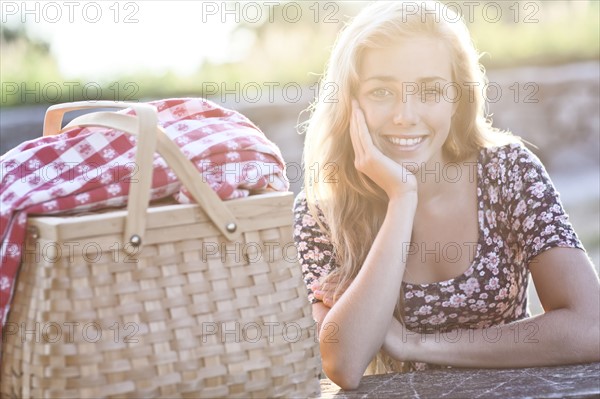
(512, 33)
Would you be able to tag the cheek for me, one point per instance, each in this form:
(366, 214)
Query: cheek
(441, 115)
(376, 114)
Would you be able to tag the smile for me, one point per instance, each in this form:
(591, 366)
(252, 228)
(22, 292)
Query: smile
(405, 142)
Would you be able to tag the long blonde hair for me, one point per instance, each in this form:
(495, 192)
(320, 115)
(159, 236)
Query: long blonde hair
(352, 204)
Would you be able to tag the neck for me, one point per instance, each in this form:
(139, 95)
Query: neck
(439, 179)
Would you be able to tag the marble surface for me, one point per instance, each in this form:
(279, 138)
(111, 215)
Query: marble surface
(574, 381)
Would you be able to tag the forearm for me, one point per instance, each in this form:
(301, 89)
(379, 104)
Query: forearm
(362, 315)
(557, 337)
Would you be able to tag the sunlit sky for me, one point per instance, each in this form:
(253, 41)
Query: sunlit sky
(104, 39)
(128, 36)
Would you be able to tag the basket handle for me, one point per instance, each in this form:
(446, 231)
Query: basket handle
(205, 196)
(216, 210)
(55, 113)
(139, 194)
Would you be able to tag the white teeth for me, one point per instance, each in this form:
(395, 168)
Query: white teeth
(405, 142)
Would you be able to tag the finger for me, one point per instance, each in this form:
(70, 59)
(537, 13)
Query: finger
(330, 279)
(328, 301)
(333, 283)
(355, 132)
(330, 285)
(363, 130)
(324, 297)
(330, 290)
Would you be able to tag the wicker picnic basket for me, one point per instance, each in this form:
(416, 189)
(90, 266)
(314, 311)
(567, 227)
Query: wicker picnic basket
(199, 300)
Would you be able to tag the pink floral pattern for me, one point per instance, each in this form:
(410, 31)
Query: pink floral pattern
(520, 215)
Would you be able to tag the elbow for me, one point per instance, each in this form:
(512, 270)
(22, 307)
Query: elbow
(341, 375)
(584, 344)
(594, 341)
(344, 371)
(589, 349)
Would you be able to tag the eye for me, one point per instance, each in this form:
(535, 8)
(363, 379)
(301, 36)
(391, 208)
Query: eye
(431, 93)
(380, 93)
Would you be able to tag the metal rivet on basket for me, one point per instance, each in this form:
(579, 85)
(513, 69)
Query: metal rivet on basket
(33, 232)
(135, 240)
(231, 227)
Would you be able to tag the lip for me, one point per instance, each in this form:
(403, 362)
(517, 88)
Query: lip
(404, 147)
(405, 136)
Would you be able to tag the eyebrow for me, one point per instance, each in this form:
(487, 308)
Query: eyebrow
(389, 78)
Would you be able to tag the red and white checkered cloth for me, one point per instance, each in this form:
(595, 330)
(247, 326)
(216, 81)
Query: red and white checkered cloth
(85, 169)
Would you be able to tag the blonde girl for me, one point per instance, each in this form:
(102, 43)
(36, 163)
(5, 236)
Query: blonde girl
(419, 221)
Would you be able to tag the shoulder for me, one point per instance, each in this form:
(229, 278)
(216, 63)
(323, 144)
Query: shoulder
(511, 173)
(508, 154)
(509, 162)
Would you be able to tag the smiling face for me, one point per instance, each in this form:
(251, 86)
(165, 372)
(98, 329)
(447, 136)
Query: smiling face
(405, 93)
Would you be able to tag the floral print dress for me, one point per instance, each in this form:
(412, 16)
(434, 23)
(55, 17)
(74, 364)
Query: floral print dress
(519, 214)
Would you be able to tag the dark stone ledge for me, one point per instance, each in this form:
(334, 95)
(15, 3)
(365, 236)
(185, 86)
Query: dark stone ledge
(573, 381)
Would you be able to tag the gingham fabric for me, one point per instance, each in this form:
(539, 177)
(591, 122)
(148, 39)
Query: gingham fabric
(86, 169)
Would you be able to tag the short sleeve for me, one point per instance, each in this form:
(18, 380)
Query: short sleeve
(537, 215)
(313, 245)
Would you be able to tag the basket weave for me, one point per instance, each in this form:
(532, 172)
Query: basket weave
(192, 314)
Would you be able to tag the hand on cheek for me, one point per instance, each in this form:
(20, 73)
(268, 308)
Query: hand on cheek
(394, 179)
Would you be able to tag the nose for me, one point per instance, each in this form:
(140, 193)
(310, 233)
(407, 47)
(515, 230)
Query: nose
(405, 113)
